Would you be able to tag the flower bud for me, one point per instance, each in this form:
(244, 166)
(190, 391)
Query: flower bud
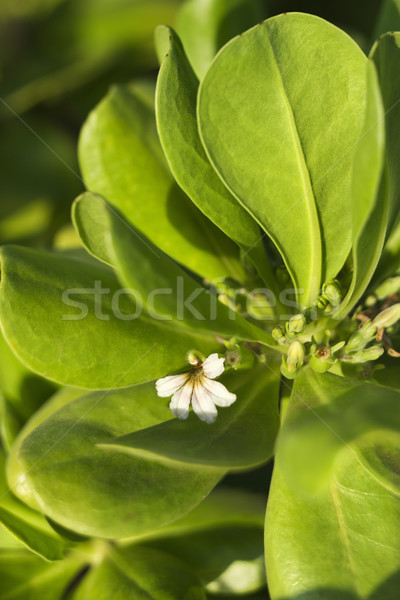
(288, 369)
(387, 317)
(321, 302)
(332, 291)
(337, 347)
(361, 337)
(297, 323)
(365, 355)
(296, 353)
(279, 335)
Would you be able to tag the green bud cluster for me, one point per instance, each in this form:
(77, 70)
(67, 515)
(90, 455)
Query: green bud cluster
(330, 297)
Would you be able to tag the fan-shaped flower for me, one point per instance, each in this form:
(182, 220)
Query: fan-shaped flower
(198, 387)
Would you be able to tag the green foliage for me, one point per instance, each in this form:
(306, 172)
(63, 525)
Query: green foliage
(270, 136)
(264, 158)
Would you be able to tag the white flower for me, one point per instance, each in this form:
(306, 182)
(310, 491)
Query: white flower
(197, 386)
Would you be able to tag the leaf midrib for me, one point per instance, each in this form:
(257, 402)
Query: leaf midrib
(315, 238)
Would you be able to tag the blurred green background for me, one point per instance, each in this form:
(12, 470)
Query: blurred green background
(58, 58)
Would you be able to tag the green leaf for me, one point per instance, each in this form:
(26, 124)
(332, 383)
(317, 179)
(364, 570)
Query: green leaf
(370, 207)
(231, 523)
(121, 158)
(26, 525)
(386, 55)
(226, 559)
(95, 491)
(25, 576)
(279, 115)
(223, 507)
(328, 413)
(162, 287)
(176, 95)
(204, 26)
(108, 347)
(243, 436)
(388, 18)
(328, 545)
(140, 573)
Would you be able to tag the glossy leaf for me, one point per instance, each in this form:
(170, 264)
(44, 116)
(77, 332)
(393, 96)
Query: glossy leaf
(329, 414)
(121, 158)
(388, 18)
(176, 94)
(341, 544)
(206, 25)
(243, 436)
(279, 116)
(386, 56)
(370, 208)
(108, 347)
(168, 293)
(109, 494)
(225, 506)
(140, 573)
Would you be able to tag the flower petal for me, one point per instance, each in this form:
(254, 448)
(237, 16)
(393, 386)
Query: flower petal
(203, 405)
(219, 394)
(166, 386)
(213, 366)
(180, 402)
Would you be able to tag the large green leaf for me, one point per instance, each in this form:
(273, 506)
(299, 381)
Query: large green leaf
(338, 545)
(161, 284)
(370, 208)
(140, 573)
(388, 18)
(206, 25)
(342, 541)
(176, 95)
(121, 158)
(108, 347)
(96, 491)
(386, 56)
(329, 413)
(222, 508)
(243, 435)
(25, 576)
(280, 111)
